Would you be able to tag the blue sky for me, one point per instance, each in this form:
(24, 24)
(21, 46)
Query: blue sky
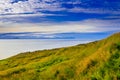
(60, 16)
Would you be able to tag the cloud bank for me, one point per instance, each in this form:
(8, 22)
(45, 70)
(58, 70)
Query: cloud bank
(91, 25)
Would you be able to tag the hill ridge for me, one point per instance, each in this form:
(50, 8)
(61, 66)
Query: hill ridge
(97, 60)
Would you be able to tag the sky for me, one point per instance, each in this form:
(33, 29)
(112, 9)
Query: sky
(59, 16)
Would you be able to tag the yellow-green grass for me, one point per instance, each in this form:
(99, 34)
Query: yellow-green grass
(99, 60)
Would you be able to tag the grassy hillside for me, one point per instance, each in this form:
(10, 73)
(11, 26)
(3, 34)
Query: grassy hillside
(98, 60)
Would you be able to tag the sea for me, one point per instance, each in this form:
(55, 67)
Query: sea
(11, 47)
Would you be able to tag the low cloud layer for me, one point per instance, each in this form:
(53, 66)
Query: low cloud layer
(91, 25)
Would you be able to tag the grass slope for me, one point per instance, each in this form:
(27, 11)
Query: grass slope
(98, 60)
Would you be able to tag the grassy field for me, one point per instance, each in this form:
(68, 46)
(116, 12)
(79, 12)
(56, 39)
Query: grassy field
(99, 60)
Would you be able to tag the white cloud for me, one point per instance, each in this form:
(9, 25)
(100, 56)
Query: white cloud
(34, 6)
(92, 25)
(25, 15)
(29, 6)
(93, 10)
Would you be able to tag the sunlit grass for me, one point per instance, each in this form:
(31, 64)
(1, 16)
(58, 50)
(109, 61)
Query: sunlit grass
(98, 60)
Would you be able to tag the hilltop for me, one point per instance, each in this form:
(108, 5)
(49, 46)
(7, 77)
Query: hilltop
(99, 60)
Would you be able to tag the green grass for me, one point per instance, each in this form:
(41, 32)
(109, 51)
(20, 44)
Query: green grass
(99, 60)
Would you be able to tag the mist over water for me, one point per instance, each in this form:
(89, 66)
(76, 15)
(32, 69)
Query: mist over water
(12, 47)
